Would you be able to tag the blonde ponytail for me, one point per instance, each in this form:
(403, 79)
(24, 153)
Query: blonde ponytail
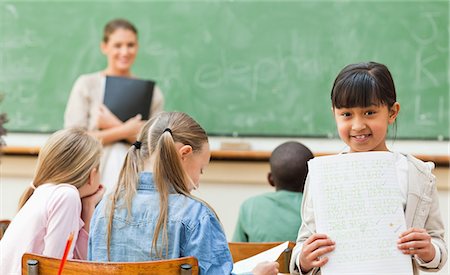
(158, 139)
(128, 178)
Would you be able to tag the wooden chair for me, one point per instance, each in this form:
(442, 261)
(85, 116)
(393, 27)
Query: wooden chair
(49, 265)
(3, 225)
(241, 251)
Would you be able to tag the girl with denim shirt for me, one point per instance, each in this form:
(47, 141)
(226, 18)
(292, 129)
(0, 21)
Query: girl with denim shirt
(152, 214)
(364, 105)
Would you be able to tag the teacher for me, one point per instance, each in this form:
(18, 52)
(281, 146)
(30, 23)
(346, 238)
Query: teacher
(85, 107)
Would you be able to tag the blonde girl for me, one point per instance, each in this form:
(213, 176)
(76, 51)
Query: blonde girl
(364, 105)
(85, 107)
(152, 214)
(60, 200)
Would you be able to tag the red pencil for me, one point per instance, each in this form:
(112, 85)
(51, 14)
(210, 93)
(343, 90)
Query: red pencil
(66, 252)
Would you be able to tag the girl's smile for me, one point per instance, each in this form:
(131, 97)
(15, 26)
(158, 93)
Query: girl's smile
(364, 128)
(361, 138)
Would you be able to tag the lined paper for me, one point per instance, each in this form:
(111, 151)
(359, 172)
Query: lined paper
(358, 204)
(270, 255)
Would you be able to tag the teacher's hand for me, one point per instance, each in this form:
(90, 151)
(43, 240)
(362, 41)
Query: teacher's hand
(106, 119)
(132, 127)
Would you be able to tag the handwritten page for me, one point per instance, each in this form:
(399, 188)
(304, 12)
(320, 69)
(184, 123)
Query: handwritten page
(358, 204)
(270, 255)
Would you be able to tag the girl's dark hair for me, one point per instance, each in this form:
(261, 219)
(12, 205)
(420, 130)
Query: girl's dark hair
(363, 85)
(116, 24)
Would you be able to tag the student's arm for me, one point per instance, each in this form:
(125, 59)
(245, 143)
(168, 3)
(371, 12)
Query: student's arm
(433, 255)
(206, 241)
(307, 236)
(80, 249)
(435, 228)
(63, 210)
(88, 206)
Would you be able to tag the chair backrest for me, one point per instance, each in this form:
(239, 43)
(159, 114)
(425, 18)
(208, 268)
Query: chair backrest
(241, 250)
(3, 225)
(49, 265)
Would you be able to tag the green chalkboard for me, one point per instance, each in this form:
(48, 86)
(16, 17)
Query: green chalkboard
(242, 68)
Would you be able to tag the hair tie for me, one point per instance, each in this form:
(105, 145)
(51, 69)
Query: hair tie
(32, 185)
(168, 130)
(137, 144)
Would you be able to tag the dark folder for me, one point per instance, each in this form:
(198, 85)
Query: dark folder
(127, 97)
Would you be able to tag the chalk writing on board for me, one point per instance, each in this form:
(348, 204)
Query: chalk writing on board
(270, 69)
(238, 67)
(426, 117)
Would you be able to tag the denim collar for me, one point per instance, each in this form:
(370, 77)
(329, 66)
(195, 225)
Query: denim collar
(146, 181)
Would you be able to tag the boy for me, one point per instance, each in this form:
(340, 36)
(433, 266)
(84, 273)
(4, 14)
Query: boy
(275, 216)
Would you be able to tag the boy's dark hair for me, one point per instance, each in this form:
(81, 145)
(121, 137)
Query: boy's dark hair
(363, 85)
(288, 166)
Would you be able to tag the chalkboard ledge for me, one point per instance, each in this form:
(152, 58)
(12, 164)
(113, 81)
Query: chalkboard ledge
(259, 149)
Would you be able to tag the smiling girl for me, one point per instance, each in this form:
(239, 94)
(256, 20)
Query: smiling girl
(364, 105)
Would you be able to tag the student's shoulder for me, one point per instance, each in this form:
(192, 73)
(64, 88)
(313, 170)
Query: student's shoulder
(196, 211)
(259, 200)
(420, 173)
(422, 166)
(261, 197)
(66, 190)
(198, 206)
(61, 194)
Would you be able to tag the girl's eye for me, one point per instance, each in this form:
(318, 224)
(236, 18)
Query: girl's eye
(369, 113)
(346, 114)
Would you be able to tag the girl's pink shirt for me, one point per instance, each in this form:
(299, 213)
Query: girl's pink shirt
(43, 226)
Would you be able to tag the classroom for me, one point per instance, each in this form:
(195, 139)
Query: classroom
(254, 74)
